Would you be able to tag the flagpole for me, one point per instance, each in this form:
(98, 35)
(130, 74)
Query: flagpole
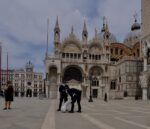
(7, 66)
(47, 38)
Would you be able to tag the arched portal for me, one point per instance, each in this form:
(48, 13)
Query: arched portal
(29, 93)
(72, 73)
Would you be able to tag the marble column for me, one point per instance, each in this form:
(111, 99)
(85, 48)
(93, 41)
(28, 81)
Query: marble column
(143, 81)
(47, 89)
(144, 94)
(145, 64)
(144, 87)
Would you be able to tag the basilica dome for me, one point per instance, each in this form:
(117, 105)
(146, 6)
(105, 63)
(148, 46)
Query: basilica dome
(134, 35)
(71, 44)
(136, 26)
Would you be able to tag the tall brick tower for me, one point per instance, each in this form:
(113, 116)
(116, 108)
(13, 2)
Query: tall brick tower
(145, 6)
(145, 47)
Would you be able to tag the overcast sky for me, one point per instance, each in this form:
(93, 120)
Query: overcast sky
(23, 24)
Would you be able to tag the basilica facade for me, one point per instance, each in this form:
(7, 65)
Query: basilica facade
(101, 64)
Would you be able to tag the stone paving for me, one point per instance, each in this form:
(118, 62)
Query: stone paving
(26, 113)
(32, 113)
(115, 114)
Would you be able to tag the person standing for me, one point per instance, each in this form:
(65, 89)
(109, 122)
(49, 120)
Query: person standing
(75, 95)
(63, 96)
(105, 97)
(9, 91)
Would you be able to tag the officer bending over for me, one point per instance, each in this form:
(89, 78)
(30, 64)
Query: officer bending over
(75, 96)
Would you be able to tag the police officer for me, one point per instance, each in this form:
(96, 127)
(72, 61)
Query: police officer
(75, 96)
(63, 95)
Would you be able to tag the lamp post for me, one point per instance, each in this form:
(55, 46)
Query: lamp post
(48, 88)
(90, 97)
(103, 86)
(47, 84)
(44, 91)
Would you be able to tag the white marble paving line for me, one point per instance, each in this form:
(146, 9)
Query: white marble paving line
(125, 107)
(120, 112)
(90, 104)
(97, 110)
(96, 122)
(87, 107)
(132, 123)
(141, 111)
(49, 122)
(143, 108)
(103, 103)
(136, 107)
(93, 109)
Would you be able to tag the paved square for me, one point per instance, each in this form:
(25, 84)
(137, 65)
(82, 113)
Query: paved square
(26, 113)
(33, 113)
(115, 114)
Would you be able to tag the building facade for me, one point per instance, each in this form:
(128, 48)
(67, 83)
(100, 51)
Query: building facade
(6, 75)
(145, 49)
(108, 66)
(96, 62)
(26, 82)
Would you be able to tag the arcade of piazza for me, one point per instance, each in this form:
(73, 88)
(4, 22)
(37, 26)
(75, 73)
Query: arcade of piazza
(102, 63)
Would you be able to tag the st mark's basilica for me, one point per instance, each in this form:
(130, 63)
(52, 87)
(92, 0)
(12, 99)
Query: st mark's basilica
(108, 66)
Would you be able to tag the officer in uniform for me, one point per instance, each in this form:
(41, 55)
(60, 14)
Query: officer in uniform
(75, 95)
(63, 95)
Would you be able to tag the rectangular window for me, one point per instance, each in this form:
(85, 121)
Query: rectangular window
(63, 55)
(113, 85)
(121, 52)
(95, 93)
(99, 57)
(79, 56)
(120, 79)
(71, 55)
(67, 54)
(116, 51)
(75, 55)
(90, 56)
(111, 51)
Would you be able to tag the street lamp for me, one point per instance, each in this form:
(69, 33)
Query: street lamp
(44, 91)
(47, 84)
(103, 86)
(90, 97)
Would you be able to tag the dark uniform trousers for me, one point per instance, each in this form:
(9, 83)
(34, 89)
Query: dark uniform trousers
(76, 97)
(63, 98)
